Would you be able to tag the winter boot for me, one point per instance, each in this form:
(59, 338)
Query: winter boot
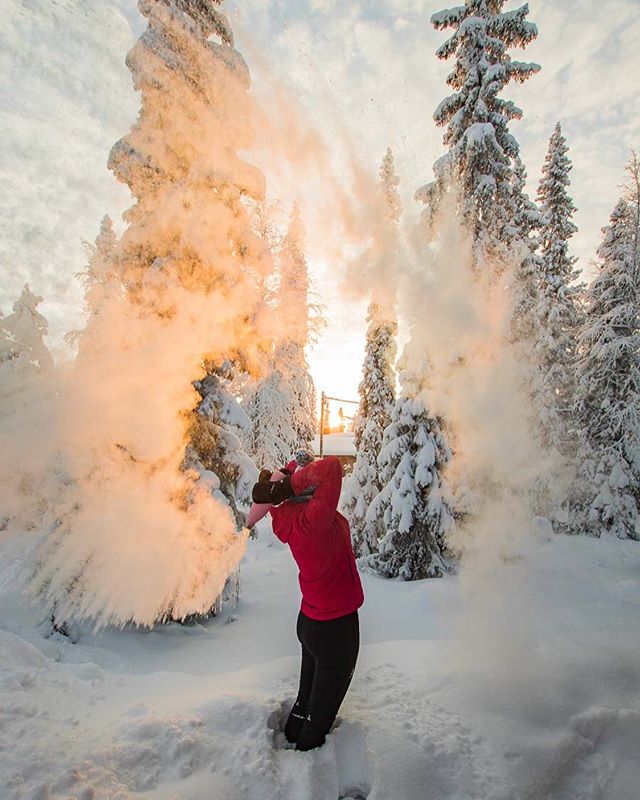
(296, 720)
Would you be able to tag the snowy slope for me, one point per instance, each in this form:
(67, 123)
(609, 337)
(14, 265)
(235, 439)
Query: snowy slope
(194, 712)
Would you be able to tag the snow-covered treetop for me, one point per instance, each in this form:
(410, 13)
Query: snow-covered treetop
(510, 26)
(99, 269)
(186, 78)
(175, 26)
(527, 217)
(22, 335)
(101, 279)
(556, 208)
(616, 245)
(27, 317)
(481, 147)
(483, 68)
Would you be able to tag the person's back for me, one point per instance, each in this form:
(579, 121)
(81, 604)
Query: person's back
(328, 626)
(320, 542)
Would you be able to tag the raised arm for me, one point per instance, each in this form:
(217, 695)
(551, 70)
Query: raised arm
(326, 476)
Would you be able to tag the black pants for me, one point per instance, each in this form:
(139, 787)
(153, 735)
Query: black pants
(329, 655)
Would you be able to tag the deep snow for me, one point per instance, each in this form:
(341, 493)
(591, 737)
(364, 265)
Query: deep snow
(194, 712)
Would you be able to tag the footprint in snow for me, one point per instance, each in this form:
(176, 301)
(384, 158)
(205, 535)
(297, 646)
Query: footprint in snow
(276, 722)
(344, 756)
(353, 767)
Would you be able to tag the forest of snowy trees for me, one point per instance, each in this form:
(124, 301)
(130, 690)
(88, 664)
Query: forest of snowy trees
(578, 341)
(199, 318)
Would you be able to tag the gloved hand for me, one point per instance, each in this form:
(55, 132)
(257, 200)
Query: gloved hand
(268, 491)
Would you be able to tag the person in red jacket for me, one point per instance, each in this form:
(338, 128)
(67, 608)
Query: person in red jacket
(328, 626)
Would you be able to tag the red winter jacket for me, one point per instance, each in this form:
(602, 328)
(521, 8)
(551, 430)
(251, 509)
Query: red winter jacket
(320, 542)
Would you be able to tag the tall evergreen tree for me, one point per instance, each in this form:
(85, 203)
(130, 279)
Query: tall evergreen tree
(101, 278)
(525, 327)
(608, 382)
(269, 406)
(377, 387)
(101, 281)
(412, 511)
(481, 147)
(192, 268)
(389, 181)
(189, 43)
(556, 311)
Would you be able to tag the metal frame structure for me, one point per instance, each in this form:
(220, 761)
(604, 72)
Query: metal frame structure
(324, 399)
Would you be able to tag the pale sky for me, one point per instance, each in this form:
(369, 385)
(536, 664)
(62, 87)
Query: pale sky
(363, 74)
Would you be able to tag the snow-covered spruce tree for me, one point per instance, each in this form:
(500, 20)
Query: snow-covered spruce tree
(281, 405)
(216, 451)
(100, 279)
(269, 406)
(23, 353)
(481, 147)
(219, 427)
(556, 310)
(525, 291)
(413, 510)
(607, 496)
(377, 387)
(27, 404)
(140, 538)
(389, 182)
(377, 395)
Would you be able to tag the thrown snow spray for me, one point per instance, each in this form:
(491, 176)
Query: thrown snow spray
(130, 535)
(476, 386)
(561, 697)
(134, 535)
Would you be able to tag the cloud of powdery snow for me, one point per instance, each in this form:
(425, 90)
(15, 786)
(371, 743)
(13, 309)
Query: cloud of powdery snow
(560, 687)
(133, 537)
(129, 535)
(459, 314)
(132, 534)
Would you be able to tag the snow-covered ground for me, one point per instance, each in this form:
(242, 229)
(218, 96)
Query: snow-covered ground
(194, 713)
